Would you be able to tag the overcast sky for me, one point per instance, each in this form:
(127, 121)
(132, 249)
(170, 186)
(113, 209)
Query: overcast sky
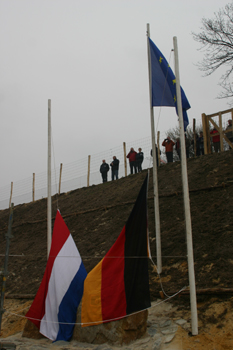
(90, 58)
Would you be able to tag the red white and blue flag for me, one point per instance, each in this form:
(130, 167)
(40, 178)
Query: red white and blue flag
(54, 308)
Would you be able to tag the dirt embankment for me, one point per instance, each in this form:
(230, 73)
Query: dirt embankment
(96, 215)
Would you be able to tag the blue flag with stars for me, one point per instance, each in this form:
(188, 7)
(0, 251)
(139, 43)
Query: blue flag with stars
(164, 83)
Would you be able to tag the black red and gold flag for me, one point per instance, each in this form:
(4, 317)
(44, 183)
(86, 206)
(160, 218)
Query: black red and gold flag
(119, 285)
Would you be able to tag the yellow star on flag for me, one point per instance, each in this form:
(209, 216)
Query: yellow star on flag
(160, 59)
(174, 98)
(174, 81)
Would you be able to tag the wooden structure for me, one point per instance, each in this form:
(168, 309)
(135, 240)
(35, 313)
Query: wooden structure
(206, 120)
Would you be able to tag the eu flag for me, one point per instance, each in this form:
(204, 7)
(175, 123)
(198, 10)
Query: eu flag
(164, 83)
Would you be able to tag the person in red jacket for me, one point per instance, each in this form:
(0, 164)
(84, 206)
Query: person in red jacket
(132, 160)
(168, 144)
(216, 140)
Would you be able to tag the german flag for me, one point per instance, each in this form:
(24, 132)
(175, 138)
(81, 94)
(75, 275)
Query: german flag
(119, 284)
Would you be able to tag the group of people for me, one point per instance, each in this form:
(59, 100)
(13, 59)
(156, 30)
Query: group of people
(104, 169)
(135, 163)
(135, 160)
(169, 144)
(216, 138)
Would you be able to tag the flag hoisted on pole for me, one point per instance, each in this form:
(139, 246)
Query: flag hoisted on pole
(119, 284)
(54, 308)
(163, 86)
(165, 90)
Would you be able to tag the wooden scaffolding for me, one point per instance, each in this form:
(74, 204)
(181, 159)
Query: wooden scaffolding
(206, 120)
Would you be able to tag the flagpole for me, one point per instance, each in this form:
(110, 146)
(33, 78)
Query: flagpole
(188, 223)
(49, 204)
(155, 174)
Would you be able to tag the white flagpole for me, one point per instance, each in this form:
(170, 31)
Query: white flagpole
(188, 223)
(49, 203)
(155, 175)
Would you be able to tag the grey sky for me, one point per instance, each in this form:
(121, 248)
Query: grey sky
(90, 58)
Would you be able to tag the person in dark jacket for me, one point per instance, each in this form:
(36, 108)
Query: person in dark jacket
(139, 159)
(157, 156)
(177, 147)
(229, 133)
(132, 160)
(104, 168)
(115, 167)
(187, 145)
(201, 143)
(197, 153)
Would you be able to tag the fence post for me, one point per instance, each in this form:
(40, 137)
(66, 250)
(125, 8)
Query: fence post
(220, 132)
(59, 191)
(194, 137)
(209, 145)
(88, 171)
(33, 187)
(158, 147)
(11, 194)
(125, 160)
(205, 135)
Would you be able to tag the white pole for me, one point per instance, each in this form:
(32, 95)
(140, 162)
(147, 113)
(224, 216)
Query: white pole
(155, 175)
(49, 205)
(11, 194)
(188, 223)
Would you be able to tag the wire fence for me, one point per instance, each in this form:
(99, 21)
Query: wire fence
(74, 175)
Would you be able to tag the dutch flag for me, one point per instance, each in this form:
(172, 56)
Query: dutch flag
(54, 308)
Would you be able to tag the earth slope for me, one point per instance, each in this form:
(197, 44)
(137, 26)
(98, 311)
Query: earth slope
(96, 215)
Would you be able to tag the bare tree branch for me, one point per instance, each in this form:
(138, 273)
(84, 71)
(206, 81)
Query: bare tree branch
(216, 38)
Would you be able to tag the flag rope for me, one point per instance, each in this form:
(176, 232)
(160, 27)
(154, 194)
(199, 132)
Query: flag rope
(96, 257)
(100, 322)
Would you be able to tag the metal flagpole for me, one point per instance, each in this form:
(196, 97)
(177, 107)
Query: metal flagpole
(155, 175)
(49, 205)
(188, 223)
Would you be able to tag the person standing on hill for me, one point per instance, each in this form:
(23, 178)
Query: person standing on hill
(177, 147)
(187, 145)
(139, 159)
(132, 160)
(115, 167)
(201, 143)
(157, 154)
(215, 140)
(229, 134)
(104, 168)
(168, 144)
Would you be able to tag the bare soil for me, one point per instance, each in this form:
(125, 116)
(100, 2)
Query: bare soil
(96, 215)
